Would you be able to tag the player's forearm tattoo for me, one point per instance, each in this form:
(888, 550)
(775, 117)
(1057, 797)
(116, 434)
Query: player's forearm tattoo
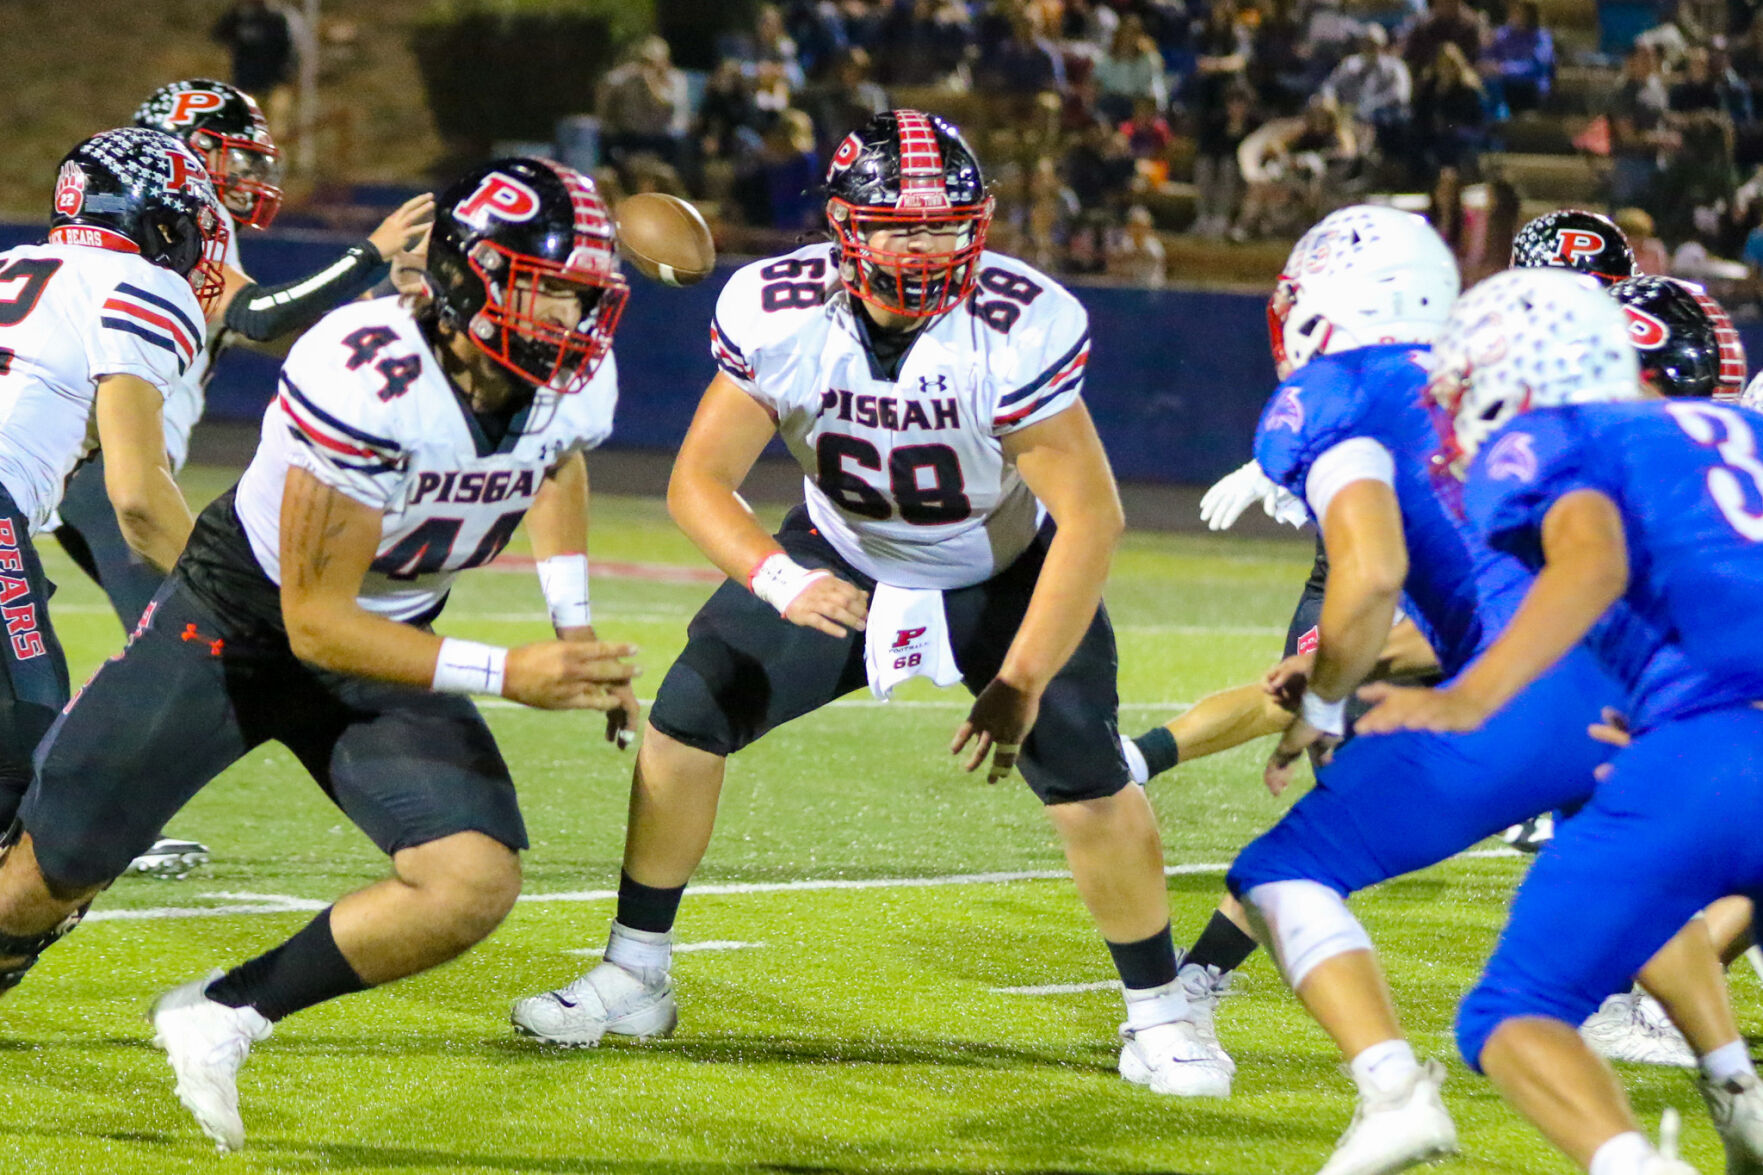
(313, 533)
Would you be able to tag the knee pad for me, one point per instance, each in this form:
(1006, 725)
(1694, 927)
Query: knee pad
(1307, 923)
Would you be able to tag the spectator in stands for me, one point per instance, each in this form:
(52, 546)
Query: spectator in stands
(1136, 255)
(923, 43)
(1696, 92)
(1221, 47)
(846, 101)
(1444, 210)
(1147, 135)
(1638, 129)
(1051, 208)
(772, 43)
(1021, 65)
(1220, 132)
(1374, 86)
(642, 104)
(1131, 69)
(1446, 22)
(1650, 254)
(1741, 107)
(1672, 37)
(1330, 35)
(790, 173)
(261, 41)
(1450, 112)
(1290, 165)
(818, 29)
(1519, 63)
(1088, 26)
(1277, 67)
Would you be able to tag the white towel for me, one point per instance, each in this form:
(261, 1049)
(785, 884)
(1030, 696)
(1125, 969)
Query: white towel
(907, 636)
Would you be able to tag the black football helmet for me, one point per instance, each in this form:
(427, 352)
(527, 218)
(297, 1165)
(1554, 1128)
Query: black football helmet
(135, 190)
(1575, 239)
(506, 238)
(223, 125)
(907, 170)
(1686, 343)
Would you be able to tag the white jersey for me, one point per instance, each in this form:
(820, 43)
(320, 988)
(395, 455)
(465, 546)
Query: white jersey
(69, 316)
(184, 406)
(364, 407)
(907, 477)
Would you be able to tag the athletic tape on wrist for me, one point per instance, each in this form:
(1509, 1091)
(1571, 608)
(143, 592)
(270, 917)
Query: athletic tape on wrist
(779, 579)
(1328, 717)
(467, 667)
(564, 580)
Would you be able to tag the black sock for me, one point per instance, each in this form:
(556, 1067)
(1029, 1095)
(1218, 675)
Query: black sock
(1150, 962)
(1222, 945)
(1158, 747)
(644, 907)
(307, 969)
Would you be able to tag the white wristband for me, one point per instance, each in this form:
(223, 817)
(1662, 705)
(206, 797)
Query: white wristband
(1328, 717)
(466, 667)
(564, 580)
(779, 579)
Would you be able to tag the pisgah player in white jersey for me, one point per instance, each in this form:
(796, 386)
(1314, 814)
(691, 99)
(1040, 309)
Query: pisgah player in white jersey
(224, 128)
(930, 391)
(405, 444)
(96, 328)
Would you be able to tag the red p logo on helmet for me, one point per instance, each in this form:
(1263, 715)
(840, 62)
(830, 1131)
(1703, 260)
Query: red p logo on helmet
(1574, 243)
(187, 105)
(1644, 330)
(501, 196)
(182, 174)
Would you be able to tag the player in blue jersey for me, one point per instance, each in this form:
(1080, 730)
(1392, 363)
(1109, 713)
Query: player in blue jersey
(1347, 431)
(1644, 523)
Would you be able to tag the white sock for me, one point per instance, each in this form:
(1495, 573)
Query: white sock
(1147, 1007)
(1625, 1154)
(1383, 1066)
(641, 951)
(1135, 761)
(1726, 1062)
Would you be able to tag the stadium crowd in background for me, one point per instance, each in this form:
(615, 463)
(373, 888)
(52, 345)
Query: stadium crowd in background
(1230, 118)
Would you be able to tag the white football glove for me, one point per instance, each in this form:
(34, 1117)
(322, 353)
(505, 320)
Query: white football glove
(1235, 492)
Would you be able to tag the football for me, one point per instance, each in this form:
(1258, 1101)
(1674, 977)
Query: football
(665, 238)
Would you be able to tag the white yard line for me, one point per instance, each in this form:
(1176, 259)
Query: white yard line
(257, 903)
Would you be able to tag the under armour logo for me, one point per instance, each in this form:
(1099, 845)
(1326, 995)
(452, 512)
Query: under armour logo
(215, 644)
(925, 387)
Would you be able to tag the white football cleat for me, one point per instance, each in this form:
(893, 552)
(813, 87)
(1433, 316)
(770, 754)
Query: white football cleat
(206, 1042)
(1632, 1026)
(170, 859)
(1396, 1130)
(1174, 1059)
(1736, 1105)
(608, 999)
(1205, 986)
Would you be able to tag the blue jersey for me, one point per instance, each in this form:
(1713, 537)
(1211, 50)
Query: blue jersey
(1459, 592)
(1687, 636)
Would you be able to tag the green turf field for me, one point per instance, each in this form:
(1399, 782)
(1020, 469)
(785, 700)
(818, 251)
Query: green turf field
(860, 921)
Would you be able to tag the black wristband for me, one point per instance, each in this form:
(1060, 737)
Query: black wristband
(262, 313)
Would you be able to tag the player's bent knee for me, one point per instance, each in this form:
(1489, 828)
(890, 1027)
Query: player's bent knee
(1309, 924)
(1478, 1018)
(469, 880)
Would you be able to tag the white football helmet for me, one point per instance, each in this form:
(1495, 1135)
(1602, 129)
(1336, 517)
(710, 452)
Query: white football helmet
(1523, 339)
(1363, 275)
(1752, 396)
